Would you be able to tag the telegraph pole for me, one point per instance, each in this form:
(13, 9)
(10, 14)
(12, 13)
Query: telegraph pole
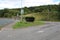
(22, 12)
(49, 13)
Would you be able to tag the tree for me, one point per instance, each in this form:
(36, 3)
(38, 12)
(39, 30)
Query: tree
(58, 14)
(1, 13)
(26, 10)
(38, 10)
(5, 12)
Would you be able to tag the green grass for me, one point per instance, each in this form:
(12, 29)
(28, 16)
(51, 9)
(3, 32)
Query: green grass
(1, 27)
(27, 24)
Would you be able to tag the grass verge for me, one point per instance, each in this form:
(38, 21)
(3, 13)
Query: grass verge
(0, 27)
(27, 24)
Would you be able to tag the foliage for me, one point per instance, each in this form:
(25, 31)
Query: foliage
(48, 12)
(58, 14)
(27, 24)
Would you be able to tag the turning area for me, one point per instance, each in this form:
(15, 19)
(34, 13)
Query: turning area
(49, 31)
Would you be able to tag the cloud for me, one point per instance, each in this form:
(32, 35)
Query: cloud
(28, 3)
(38, 2)
(9, 4)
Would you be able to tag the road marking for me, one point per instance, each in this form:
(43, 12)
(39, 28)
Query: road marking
(9, 35)
(40, 31)
(0, 31)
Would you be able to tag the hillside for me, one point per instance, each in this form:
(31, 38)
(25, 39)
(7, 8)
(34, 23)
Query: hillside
(45, 12)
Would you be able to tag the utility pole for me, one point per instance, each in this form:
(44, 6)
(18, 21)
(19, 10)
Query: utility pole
(48, 13)
(22, 12)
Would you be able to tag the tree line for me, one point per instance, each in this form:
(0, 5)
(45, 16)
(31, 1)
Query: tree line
(49, 12)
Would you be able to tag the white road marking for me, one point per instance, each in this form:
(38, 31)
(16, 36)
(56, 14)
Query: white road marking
(0, 31)
(40, 31)
(9, 35)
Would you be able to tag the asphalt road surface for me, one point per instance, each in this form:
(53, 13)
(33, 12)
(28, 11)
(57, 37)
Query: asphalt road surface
(49, 31)
(5, 21)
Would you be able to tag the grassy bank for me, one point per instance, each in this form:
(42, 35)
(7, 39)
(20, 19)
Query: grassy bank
(27, 24)
(1, 27)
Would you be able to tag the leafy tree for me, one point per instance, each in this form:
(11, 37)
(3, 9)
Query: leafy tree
(26, 10)
(58, 14)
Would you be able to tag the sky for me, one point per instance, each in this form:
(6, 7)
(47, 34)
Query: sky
(25, 3)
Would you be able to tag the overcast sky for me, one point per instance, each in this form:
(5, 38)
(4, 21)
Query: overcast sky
(27, 3)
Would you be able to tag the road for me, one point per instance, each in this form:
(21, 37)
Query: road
(49, 31)
(5, 21)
